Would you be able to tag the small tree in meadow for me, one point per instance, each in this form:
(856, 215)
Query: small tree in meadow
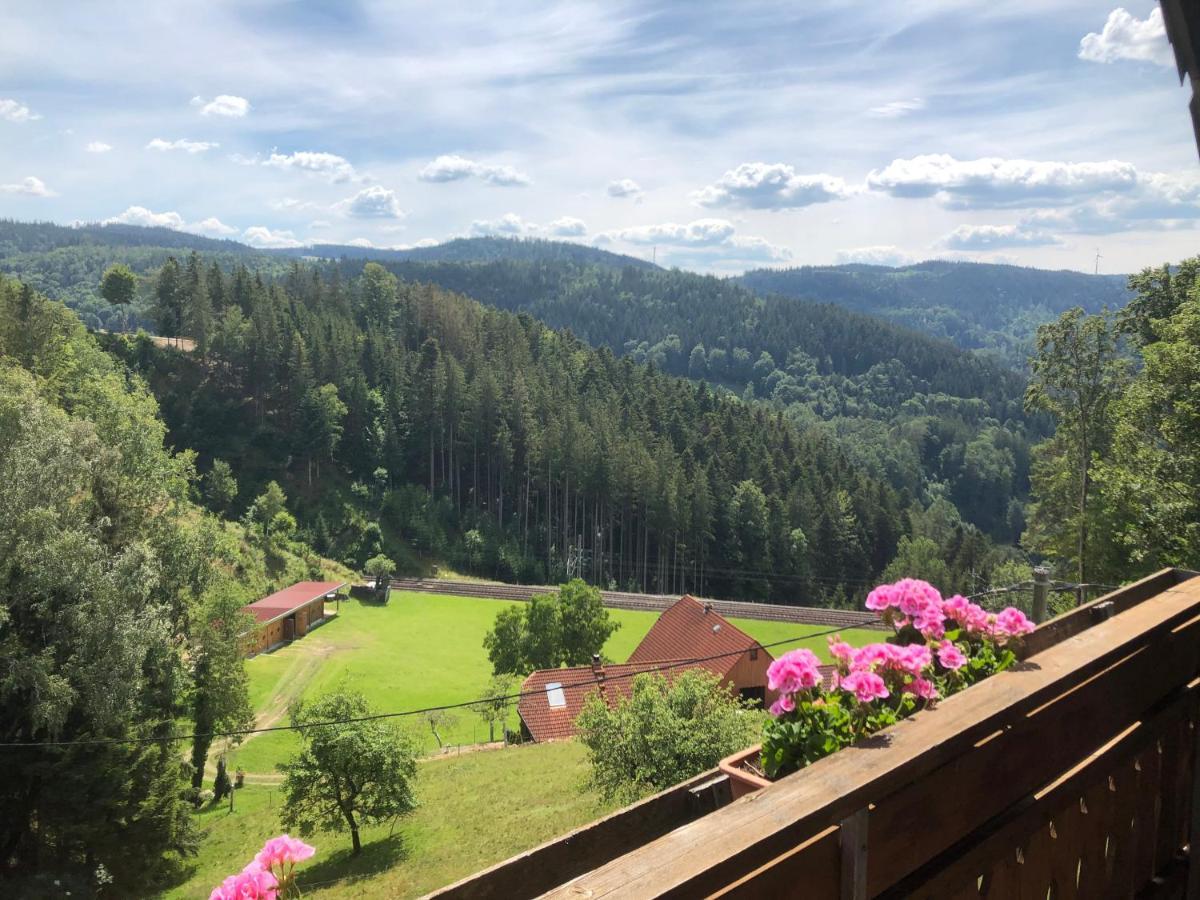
(380, 568)
(348, 774)
(496, 702)
(663, 733)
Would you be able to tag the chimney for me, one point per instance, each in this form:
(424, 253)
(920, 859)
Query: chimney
(597, 668)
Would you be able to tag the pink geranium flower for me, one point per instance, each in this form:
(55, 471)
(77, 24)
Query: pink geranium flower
(883, 597)
(283, 849)
(1012, 622)
(866, 686)
(923, 688)
(785, 704)
(842, 652)
(951, 657)
(796, 670)
(252, 883)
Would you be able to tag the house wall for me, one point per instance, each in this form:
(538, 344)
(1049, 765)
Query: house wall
(747, 673)
(264, 637)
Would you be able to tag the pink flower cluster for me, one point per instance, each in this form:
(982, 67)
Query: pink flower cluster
(911, 601)
(795, 671)
(867, 671)
(252, 883)
(259, 880)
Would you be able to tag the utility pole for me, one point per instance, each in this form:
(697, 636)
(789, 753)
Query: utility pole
(1041, 591)
(1098, 258)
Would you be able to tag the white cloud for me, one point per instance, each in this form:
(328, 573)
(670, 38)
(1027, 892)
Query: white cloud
(12, 111)
(452, 167)
(139, 215)
(879, 255)
(33, 187)
(98, 147)
(262, 236)
(226, 105)
(712, 238)
(508, 225)
(759, 185)
(375, 202)
(211, 226)
(360, 242)
(182, 144)
(1127, 37)
(993, 237)
(625, 187)
(897, 108)
(336, 168)
(291, 204)
(994, 182)
(568, 226)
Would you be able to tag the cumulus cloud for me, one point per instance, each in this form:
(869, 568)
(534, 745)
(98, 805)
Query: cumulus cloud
(897, 108)
(625, 187)
(568, 226)
(994, 182)
(140, 215)
(291, 204)
(183, 144)
(508, 225)
(757, 185)
(1162, 201)
(30, 186)
(993, 237)
(12, 111)
(712, 238)
(225, 105)
(1127, 37)
(264, 237)
(452, 167)
(336, 168)
(375, 202)
(878, 255)
(98, 147)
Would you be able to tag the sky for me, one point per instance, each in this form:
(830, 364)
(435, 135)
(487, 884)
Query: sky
(710, 136)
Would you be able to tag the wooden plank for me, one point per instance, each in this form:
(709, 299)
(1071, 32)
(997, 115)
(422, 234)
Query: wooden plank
(981, 783)
(1125, 781)
(1193, 879)
(814, 864)
(1146, 815)
(717, 850)
(852, 840)
(1085, 787)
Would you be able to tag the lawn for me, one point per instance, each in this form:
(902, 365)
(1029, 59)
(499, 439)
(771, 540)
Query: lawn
(475, 810)
(423, 650)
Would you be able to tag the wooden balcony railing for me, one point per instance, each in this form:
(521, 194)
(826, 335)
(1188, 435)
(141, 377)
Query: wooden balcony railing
(1069, 776)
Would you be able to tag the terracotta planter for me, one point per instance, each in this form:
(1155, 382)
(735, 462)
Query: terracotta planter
(742, 780)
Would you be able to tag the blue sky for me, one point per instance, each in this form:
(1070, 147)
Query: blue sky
(718, 136)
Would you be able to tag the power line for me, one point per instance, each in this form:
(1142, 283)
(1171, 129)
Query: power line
(607, 679)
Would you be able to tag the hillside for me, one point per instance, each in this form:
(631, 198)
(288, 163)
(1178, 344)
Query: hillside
(976, 305)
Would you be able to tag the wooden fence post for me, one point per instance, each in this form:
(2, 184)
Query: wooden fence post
(1041, 591)
(852, 839)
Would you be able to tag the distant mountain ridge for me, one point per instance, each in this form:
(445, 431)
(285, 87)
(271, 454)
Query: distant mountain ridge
(976, 305)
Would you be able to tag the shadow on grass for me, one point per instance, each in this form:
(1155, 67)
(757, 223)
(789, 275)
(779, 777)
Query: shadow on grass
(376, 856)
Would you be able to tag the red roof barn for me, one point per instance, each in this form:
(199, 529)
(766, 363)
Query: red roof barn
(288, 614)
(688, 635)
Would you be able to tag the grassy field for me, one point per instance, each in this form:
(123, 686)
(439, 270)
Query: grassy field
(475, 810)
(421, 650)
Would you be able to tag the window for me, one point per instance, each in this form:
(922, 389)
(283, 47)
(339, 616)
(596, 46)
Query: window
(555, 696)
(754, 653)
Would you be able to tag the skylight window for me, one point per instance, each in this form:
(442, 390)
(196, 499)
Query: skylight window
(555, 696)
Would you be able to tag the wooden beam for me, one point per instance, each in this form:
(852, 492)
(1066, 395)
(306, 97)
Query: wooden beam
(852, 843)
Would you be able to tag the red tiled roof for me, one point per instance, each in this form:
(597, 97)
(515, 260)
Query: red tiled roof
(283, 602)
(549, 723)
(690, 629)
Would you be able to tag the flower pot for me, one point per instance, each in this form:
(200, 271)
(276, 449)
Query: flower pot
(743, 780)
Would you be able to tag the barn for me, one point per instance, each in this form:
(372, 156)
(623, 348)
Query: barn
(288, 614)
(688, 635)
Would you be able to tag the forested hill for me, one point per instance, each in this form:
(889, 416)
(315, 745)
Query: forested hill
(479, 249)
(976, 305)
(403, 416)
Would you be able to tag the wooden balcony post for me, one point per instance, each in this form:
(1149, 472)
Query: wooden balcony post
(1041, 591)
(852, 838)
(1193, 875)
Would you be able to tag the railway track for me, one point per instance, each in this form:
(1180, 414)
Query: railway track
(804, 615)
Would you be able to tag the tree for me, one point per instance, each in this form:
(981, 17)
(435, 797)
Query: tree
(1077, 374)
(220, 487)
(918, 557)
(321, 425)
(505, 643)
(585, 624)
(169, 297)
(347, 774)
(118, 285)
(380, 568)
(748, 517)
(440, 718)
(497, 700)
(541, 640)
(220, 693)
(266, 506)
(377, 288)
(664, 732)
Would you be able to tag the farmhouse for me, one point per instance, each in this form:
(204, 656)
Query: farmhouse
(288, 614)
(688, 635)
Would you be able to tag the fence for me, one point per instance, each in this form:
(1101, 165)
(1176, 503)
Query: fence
(806, 615)
(1069, 776)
